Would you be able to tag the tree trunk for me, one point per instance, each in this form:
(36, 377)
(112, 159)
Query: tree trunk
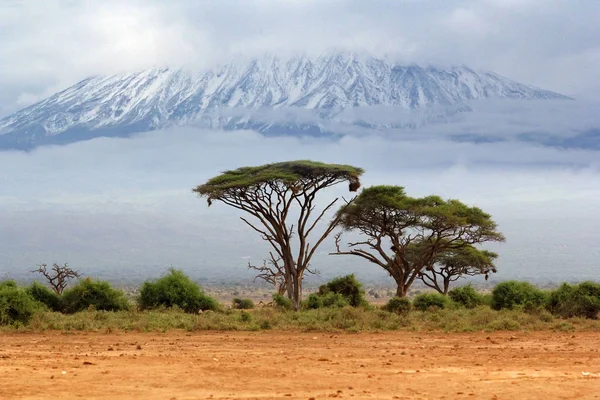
(446, 286)
(297, 294)
(401, 290)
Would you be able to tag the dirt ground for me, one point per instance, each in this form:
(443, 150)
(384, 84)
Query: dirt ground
(280, 365)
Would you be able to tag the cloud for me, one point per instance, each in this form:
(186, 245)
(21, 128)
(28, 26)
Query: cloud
(123, 209)
(50, 45)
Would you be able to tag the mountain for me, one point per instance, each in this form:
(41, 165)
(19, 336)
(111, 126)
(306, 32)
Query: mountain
(273, 95)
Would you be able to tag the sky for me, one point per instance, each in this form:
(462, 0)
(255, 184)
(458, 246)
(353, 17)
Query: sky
(50, 45)
(123, 208)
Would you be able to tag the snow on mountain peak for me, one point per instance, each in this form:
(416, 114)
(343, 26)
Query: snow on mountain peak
(233, 95)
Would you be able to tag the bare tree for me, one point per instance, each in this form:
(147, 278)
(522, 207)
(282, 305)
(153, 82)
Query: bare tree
(273, 272)
(58, 276)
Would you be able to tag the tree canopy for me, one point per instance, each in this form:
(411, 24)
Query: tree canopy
(269, 193)
(417, 230)
(454, 263)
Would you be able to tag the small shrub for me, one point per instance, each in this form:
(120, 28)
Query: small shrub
(243, 304)
(425, 301)
(282, 302)
(175, 290)
(245, 316)
(313, 302)
(581, 300)
(348, 287)
(335, 300)
(98, 294)
(44, 295)
(515, 294)
(398, 305)
(466, 296)
(16, 306)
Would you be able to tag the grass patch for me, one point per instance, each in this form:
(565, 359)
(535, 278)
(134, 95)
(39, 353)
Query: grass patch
(346, 319)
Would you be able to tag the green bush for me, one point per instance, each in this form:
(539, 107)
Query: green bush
(348, 287)
(466, 296)
(16, 306)
(282, 302)
(581, 300)
(8, 284)
(175, 290)
(97, 294)
(425, 301)
(513, 294)
(44, 295)
(243, 304)
(398, 305)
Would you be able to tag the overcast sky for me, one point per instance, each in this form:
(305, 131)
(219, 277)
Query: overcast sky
(49, 45)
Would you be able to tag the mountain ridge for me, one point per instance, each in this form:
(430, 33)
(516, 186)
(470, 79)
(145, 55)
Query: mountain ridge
(306, 94)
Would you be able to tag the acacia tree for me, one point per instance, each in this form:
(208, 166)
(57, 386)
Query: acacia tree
(455, 263)
(416, 230)
(271, 194)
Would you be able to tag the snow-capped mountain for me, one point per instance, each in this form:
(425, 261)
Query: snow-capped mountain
(270, 94)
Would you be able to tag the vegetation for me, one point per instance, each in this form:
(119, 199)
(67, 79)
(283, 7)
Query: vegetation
(348, 287)
(58, 277)
(282, 302)
(243, 304)
(328, 312)
(175, 289)
(455, 263)
(466, 296)
(398, 305)
(581, 300)
(513, 294)
(346, 319)
(418, 231)
(16, 306)
(329, 299)
(98, 295)
(426, 301)
(271, 194)
(47, 297)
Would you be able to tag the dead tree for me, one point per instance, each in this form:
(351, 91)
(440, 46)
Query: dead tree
(273, 272)
(58, 276)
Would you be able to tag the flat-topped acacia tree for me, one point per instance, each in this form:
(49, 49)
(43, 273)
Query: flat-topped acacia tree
(270, 194)
(454, 263)
(417, 231)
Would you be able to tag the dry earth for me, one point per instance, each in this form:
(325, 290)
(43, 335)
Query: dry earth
(273, 365)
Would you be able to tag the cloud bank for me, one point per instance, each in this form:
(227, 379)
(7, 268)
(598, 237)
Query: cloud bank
(123, 209)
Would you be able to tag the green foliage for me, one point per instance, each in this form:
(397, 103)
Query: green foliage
(466, 296)
(16, 306)
(398, 305)
(98, 295)
(8, 284)
(513, 294)
(313, 302)
(348, 287)
(282, 302)
(330, 299)
(44, 295)
(581, 300)
(289, 173)
(175, 290)
(243, 304)
(426, 301)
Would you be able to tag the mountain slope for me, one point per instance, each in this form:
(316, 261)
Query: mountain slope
(269, 94)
